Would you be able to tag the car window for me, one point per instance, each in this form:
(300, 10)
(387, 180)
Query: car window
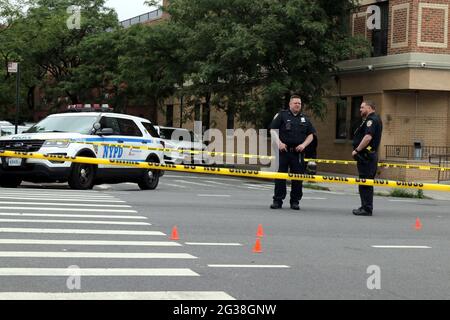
(151, 129)
(129, 128)
(176, 134)
(166, 133)
(113, 123)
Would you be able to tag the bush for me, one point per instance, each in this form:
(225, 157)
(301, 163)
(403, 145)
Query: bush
(403, 193)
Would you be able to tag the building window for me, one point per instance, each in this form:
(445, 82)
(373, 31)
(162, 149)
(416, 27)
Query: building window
(380, 37)
(169, 115)
(356, 114)
(341, 118)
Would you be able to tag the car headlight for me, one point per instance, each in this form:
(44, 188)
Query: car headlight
(57, 143)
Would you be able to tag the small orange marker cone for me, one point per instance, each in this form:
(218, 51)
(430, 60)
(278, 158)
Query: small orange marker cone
(418, 224)
(260, 232)
(175, 234)
(257, 247)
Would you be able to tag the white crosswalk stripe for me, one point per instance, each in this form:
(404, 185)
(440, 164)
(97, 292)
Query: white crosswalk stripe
(91, 242)
(59, 199)
(65, 209)
(97, 255)
(75, 222)
(56, 215)
(22, 207)
(66, 204)
(82, 231)
(155, 295)
(99, 272)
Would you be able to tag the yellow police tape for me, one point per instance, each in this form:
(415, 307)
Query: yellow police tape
(382, 164)
(251, 156)
(230, 172)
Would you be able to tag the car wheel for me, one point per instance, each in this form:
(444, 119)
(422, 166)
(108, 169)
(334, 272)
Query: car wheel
(82, 176)
(10, 182)
(149, 179)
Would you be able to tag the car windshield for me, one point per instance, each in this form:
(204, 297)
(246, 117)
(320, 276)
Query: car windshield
(73, 124)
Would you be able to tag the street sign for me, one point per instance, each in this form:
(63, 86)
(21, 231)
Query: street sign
(12, 67)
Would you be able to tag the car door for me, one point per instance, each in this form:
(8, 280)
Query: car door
(110, 152)
(132, 135)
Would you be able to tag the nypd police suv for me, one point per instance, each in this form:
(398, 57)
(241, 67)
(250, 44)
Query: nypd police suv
(97, 134)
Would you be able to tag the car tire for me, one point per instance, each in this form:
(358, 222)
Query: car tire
(150, 178)
(10, 182)
(82, 176)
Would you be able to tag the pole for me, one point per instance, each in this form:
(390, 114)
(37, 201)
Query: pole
(17, 97)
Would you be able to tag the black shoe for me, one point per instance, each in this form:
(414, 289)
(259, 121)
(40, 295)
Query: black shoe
(362, 212)
(276, 205)
(295, 206)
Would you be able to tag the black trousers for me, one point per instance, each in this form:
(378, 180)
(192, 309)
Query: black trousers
(292, 162)
(367, 170)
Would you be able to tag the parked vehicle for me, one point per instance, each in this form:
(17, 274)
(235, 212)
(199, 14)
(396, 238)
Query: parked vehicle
(84, 134)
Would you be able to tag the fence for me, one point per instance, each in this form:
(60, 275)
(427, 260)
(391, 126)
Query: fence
(443, 160)
(152, 15)
(412, 153)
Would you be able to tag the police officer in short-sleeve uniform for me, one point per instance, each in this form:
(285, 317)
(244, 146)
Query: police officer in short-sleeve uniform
(365, 147)
(292, 132)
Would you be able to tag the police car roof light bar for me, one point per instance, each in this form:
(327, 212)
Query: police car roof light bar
(96, 107)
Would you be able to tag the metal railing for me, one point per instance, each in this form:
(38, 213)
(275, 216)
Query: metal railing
(443, 160)
(409, 152)
(149, 16)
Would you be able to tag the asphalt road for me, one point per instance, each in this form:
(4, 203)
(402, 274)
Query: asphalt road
(118, 239)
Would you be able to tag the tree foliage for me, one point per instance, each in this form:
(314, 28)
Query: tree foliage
(245, 57)
(253, 54)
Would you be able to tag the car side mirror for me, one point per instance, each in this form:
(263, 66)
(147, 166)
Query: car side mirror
(105, 132)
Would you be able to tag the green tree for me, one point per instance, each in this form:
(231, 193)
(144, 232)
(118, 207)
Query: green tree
(251, 55)
(49, 49)
(149, 65)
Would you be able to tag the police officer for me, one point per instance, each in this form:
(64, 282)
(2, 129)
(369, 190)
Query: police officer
(365, 147)
(292, 132)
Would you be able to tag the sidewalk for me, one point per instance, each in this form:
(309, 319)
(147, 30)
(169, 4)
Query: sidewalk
(353, 189)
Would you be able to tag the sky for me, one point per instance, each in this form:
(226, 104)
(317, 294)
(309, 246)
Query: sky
(127, 9)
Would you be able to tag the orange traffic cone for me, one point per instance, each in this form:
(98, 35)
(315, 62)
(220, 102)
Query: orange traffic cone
(257, 247)
(175, 234)
(260, 232)
(418, 224)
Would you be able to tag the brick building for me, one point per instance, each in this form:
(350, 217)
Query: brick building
(408, 77)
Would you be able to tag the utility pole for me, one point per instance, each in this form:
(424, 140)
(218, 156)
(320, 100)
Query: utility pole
(14, 67)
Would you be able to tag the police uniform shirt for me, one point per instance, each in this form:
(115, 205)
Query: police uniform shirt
(293, 129)
(373, 126)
